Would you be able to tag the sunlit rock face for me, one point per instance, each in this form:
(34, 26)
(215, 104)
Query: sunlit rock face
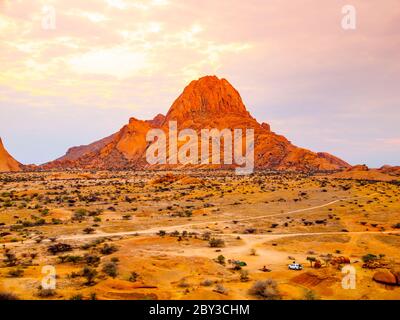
(7, 162)
(206, 103)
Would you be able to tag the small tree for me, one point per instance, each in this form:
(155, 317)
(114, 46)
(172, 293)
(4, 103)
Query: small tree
(162, 233)
(133, 277)
(110, 269)
(216, 243)
(369, 257)
(206, 236)
(88, 230)
(221, 259)
(58, 248)
(108, 249)
(327, 259)
(91, 259)
(80, 214)
(90, 274)
(311, 259)
(244, 276)
(253, 252)
(310, 295)
(10, 259)
(93, 296)
(16, 273)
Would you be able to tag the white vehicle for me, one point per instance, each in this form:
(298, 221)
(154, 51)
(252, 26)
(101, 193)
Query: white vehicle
(295, 266)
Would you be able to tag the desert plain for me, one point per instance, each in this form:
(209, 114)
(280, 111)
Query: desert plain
(198, 234)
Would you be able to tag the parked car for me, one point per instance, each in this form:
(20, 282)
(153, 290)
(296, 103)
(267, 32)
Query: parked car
(295, 266)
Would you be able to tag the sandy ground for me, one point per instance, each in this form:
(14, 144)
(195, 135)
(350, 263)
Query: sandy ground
(267, 220)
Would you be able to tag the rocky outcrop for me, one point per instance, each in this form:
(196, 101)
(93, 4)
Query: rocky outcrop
(157, 121)
(334, 160)
(392, 170)
(123, 149)
(204, 104)
(7, 162)
(340, 261)
(75, 153)
(396, 273)
(385, 277)
(359, 167)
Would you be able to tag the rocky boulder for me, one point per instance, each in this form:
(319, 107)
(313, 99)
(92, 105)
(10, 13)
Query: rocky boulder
(385, 277)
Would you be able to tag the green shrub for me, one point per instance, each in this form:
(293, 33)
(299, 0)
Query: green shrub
(108, 249)
(216, 243)
(369, 257)
(110, 269)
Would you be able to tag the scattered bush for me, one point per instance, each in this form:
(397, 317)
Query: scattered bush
(162, 233)
(219, 288)
(310, 295)
(7, 296)
(207, 283)
(133, 277)
(221, 259)
(216, 243)
(311, 260)
(90, 274)
(80, 214)
(16, 273)
(108, 249)
(71, 259)
(267, 289)
(183, 284)
(58, 248)
(45, 293)
(244, 276)
(253, 252)
(369, 257)
(91, 259)
(89, 230)
(110, 269)
(10, 259)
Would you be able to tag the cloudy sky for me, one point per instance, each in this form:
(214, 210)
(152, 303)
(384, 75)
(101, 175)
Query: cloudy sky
(325, 88)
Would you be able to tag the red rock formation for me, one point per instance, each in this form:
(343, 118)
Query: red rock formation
(7, 162)
(392, 170)
(75, 153)
(157, 121)
(359, 167)
(333, 159)
(385, 277)
(124, 149)
(397, 275)
(204, 104)
(340, 260)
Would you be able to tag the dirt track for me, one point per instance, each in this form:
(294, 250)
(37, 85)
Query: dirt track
(189, 227)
